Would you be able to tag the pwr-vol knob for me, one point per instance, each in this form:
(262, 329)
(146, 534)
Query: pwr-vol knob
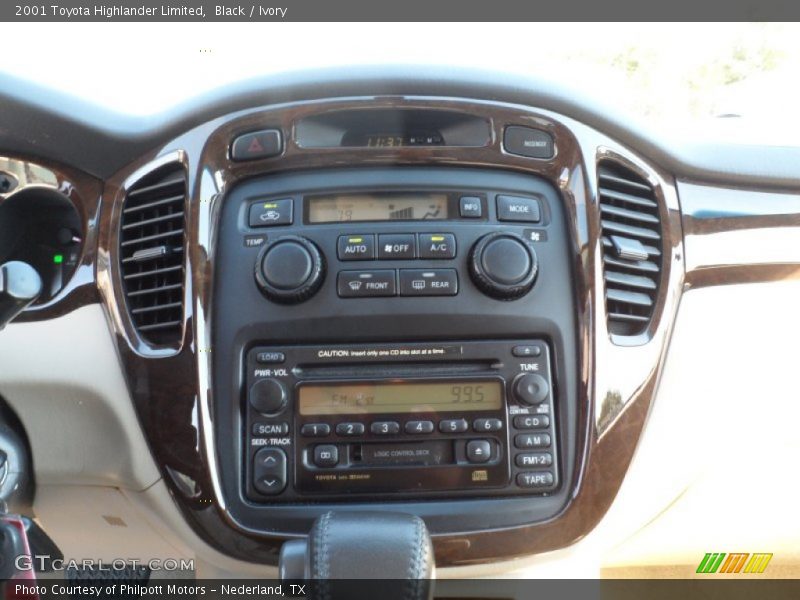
(290, 269)
(530, 389)
(503, 265)
(268, 396)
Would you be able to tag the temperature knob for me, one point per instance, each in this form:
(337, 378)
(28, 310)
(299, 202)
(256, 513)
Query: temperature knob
(290, 270)
(503, 265)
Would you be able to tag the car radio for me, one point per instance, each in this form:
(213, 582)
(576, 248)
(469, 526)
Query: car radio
(472, 418)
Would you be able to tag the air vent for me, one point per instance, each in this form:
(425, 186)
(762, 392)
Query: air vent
(631, 236)
(151, 254)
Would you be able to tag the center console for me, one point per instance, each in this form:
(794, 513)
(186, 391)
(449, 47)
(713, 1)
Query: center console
(394, 338)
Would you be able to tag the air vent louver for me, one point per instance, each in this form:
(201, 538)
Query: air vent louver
(151, 254)
(631, 236)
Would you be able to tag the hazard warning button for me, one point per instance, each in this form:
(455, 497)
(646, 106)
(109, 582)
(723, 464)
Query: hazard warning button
(258, 144)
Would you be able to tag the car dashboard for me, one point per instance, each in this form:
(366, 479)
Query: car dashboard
(450, 295)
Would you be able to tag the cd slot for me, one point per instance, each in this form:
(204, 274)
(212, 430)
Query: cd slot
(394, 370)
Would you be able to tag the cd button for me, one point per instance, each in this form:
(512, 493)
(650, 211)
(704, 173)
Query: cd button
(437, 245)
(326, 455)
(356, 247)
(413, 427)
(385, 428)
(535, 480)
(479, 451)
(366, 284)
(531, 421)
(350, 429)
(487, 425)
(315, 430)
(532, 440)
(453, 426)
(396, 246)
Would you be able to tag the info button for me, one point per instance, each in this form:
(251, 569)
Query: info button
(428, 282)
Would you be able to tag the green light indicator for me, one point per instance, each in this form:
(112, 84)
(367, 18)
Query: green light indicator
(58, 259)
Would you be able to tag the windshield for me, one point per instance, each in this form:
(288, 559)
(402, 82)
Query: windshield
(672, 75)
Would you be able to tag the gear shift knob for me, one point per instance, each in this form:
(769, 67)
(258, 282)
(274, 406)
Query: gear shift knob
(20, 285)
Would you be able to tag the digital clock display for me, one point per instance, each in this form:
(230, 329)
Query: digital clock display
(399, 397)
(389, 206)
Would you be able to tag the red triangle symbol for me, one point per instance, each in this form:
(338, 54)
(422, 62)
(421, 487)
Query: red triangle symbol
(255, 146)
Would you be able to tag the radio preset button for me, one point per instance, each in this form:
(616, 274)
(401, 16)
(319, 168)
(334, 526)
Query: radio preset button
(356, 247)
(534, 459)
(535, 480)
(366, 284)
(526, 351)
(479, 451)
(350, 429)
(315, 430)
(437, 245)
(385, 428)
(396, 246)
(267, 396)
(326, 455)
(265, 429)
(532, 440)
(453, 426)
(487, 425)
(413, 427)
(531, 421)
(428, 282)
(469, 207)
(530, 389)
(269, 471)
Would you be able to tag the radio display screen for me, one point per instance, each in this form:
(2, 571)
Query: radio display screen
(384, 206)
(399, 397)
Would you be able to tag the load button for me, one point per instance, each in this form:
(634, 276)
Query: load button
(428, 282)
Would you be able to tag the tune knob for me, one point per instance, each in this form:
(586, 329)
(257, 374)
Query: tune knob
(503, 265)
(268, 396)
(530, 389)
(290, 269)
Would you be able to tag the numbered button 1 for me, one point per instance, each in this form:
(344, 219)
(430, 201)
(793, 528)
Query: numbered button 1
(385, 428)
(315, 430)
(350, 429)
(419, 427)
(453, 426)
